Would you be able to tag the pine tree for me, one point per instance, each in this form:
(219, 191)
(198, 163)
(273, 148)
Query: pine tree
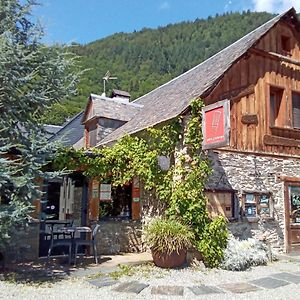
(32, 78)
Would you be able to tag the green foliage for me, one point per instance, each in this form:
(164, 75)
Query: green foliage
(146, 59)
(188, 201)
(213, 242)
(129, 157)
(32, 78)
(166, 235)
(181, 187)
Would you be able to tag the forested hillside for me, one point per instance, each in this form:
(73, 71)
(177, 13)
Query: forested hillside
(148, 58)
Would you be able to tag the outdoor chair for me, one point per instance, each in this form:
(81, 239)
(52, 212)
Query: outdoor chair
(92, 242)
(59, 243)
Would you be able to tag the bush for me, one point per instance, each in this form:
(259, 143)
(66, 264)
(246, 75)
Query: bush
(240, 255)
(164, 235)
(213, 242)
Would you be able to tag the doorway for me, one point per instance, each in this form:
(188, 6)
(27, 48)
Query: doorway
(292, 216)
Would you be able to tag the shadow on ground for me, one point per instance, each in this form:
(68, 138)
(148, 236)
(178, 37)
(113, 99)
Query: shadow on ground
(45, 272)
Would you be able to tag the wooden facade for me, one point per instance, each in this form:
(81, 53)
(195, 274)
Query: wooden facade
(264, 92)
(249, 85)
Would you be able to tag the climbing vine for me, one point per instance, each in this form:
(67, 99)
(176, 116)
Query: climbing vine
(181, 187)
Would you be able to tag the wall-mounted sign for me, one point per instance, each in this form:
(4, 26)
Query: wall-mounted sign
(136, 189)
(95, 189)
(105, 192)
(216, 125)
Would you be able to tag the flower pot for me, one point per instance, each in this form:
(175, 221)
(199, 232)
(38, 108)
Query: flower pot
(172, 260)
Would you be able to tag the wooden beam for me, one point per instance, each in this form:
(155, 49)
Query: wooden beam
(288, 178)
(273, 140)
(275, 56)
(249, 119)
(238, 93)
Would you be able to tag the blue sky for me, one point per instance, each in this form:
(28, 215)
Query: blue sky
(83, 21)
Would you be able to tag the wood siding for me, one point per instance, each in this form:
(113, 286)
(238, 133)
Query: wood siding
(247, 84)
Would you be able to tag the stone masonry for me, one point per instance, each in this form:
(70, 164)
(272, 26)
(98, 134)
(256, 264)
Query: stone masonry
(24, 244)
(254, 173)
(119, 236)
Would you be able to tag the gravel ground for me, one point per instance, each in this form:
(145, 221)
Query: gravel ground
(79, 288)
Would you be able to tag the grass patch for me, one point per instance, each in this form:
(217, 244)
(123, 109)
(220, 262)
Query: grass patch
(146, 270)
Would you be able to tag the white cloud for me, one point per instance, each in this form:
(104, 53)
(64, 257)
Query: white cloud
(164, 6)
(227, 5)
(275, 6)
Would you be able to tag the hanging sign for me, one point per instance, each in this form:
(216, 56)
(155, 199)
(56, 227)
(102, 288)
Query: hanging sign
(216, 125)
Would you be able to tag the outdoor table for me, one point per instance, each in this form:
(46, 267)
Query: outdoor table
(52, 223)
(70, 242)
(72, 230)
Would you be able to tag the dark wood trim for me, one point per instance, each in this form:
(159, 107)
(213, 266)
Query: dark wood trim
(275, 56)
(236, 94)
(267, 154)
(273, 140)
(249, 119)
(287, 231)
(289, 179)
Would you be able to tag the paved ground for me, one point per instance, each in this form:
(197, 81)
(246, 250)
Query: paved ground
(280, 280)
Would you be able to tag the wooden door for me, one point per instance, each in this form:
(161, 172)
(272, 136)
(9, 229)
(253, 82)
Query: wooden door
(292, 216)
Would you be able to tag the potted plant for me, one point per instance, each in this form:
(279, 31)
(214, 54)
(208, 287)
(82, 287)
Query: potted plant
(168, 240)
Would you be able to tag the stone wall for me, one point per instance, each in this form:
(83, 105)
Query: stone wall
(254, 173)
(24, 244)
(117, 236)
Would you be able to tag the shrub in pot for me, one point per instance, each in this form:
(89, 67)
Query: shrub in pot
(168, 240)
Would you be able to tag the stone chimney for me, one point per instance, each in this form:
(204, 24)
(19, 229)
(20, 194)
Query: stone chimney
(120, 95)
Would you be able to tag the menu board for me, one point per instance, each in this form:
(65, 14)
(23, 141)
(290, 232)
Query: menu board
(105, 192)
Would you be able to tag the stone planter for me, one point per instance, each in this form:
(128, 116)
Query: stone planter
(172, 260)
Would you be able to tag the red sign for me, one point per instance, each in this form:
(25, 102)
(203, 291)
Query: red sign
(215, 125)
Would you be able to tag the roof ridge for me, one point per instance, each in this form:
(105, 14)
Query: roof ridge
(279, 16)
(120, 101)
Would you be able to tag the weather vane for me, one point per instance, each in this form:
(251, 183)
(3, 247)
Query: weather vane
(107, 77)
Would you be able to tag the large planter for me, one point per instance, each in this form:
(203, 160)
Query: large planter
(172, 260)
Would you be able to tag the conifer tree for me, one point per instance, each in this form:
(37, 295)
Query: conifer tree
(32, 78)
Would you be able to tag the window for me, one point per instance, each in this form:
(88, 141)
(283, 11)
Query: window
(256, 205)
(116, 202)
(277, 117)
(296, 109)
(294, 194)
(286, 44)
(220, 203)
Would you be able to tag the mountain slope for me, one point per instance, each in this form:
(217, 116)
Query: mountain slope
(146, 59)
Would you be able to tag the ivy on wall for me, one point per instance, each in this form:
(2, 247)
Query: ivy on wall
(181, 187)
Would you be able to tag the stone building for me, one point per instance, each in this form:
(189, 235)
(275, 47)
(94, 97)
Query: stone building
(256, 176)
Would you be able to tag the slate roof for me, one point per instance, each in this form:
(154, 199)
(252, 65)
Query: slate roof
(51, 129)
(112, 108)
(71, 132)
(171, 99)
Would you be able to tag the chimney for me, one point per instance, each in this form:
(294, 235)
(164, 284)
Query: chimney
(120, 94)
